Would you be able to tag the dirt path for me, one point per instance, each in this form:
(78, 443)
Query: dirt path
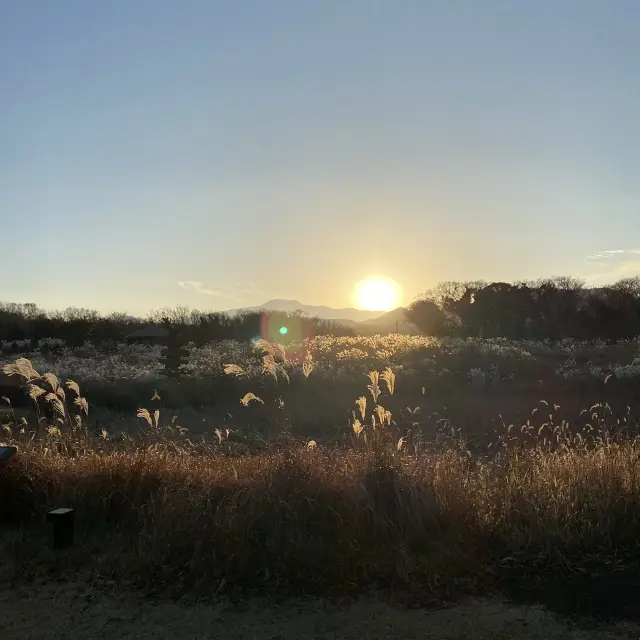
(62, 612)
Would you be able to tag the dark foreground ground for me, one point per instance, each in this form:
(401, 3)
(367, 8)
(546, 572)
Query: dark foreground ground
(61, 611)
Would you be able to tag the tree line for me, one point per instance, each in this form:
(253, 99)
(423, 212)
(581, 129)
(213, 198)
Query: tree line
(551, 308)
(75, 326)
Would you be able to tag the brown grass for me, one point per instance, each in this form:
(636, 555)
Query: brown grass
(319, 520)
(161, 511)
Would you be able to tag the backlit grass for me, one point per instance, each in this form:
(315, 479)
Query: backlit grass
(388, 510)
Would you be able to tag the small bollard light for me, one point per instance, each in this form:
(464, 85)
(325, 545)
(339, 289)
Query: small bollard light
(62, 520)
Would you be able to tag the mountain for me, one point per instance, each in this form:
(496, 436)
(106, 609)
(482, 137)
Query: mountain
(394, 321)
(328, 313)
(363, 322)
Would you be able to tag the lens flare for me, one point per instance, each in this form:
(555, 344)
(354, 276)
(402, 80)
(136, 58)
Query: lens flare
(277, 326)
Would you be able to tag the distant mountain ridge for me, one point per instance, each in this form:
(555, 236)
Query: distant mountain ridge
(364, 322)
(394, 321)
(321, 311)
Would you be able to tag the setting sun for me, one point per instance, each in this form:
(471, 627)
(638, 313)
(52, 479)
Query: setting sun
(377, 294)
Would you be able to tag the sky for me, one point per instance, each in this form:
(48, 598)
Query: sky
(216, 154)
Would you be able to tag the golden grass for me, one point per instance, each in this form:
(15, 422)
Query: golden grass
(312, 518)
(305, 517)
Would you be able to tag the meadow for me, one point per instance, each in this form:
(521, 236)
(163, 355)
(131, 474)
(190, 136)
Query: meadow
(308, 388)
(217, 482)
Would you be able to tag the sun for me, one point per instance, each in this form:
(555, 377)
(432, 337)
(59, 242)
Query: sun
(377, 294)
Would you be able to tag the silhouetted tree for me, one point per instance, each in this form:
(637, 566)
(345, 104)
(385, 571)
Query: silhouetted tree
(552, 308)
(427, 316)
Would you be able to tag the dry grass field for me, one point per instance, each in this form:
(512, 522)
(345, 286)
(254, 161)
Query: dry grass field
(547, 513)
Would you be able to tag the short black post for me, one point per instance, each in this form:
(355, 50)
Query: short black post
(7, 452)
(62, 520)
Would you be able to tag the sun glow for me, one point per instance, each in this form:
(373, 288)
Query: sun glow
(377, 294)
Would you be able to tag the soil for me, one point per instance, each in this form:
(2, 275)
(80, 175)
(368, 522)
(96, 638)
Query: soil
(59, 611)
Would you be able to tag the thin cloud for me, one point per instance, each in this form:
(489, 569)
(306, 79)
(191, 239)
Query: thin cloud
(614, 265)
(613, 254)
(197, 287)
(227, 290)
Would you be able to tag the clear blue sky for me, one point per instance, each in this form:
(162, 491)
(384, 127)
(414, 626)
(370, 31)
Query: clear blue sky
(251, 149)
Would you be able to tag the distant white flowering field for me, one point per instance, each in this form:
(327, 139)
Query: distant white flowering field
(344, 358)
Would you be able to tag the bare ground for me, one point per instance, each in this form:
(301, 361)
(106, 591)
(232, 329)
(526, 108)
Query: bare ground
(78, 611)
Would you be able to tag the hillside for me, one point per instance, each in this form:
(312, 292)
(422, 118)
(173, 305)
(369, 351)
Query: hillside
(393, 321)
(364, 322)
(348, 315)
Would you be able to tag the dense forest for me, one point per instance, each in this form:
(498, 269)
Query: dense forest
(553, 308)
(73, 326)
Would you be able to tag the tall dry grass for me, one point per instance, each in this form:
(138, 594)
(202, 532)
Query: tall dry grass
(299, 516)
